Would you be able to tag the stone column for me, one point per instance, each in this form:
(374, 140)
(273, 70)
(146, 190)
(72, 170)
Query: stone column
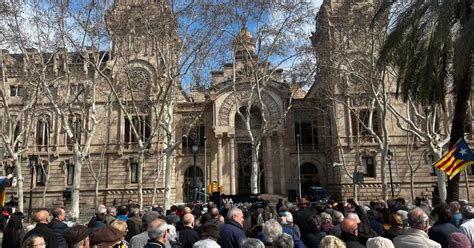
(232, 166)
(283, 175)
(269, 166)
(219, 160)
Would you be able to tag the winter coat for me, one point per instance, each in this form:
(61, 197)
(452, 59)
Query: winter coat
(44, 231)
(440, 232)
(231, 234)
(313, 239)
(154, 244)
(134, 225)
(188, 237)
(351, 240)
(58, 227)
(414, 238)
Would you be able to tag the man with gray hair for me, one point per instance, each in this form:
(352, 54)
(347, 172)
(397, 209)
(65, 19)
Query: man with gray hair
(416, 236)
(271, 229)
(111, 213)
(158, 233)
(467, 227)
(252, 243)
(232, 232)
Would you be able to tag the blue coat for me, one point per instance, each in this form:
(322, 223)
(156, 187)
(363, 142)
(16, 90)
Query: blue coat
(231, 234)
(292, 232)
(440, 232)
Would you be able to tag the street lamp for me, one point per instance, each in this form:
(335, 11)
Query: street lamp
(299, 169)
(33, 161)
(389, 159)
(195, 148)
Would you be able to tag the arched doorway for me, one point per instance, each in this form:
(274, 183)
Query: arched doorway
(309, 177)
(189, 191)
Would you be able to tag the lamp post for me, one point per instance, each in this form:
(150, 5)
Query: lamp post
(389, 159)
(195, 149)
(33, 161)
(205, 170)
(299, 171)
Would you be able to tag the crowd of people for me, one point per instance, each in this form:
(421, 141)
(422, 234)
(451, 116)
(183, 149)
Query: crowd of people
(378, 224)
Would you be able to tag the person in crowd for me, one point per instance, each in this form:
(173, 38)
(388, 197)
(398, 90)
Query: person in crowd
(283, 241)
(158, 234)
(458, 240)
(252, 243)
(122, 227)
(111, 214)
(134, 223)
(214, 217)
(180, 224)
(58, 226)
(172, 242)
(140, 240)
(100, 209)
(379, 242)
(372, 216)
(122, 213)
(313, 239)
(302, 215)
(232, 232)
(330, 241)
(396, 227)
(467, 227)
(443, 227)
(326, 222)
(106, 236)
(290, 230)
(279, 205)
(188, 236)
(209, 237)
(99, 220)
(13, 233)
(290, 222)
(455, 208)
(271, 229)
(349, 233)
(41, 229)
(416, 236)
(77, 236)
(338, 217)
(34, 241)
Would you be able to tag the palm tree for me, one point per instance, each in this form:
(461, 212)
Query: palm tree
(431, 44)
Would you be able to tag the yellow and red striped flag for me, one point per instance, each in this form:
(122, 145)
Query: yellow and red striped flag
(456, 160)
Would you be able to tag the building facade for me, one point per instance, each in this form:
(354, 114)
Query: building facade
(319, 141)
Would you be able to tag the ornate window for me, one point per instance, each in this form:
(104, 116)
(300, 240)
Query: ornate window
(70, 174)
(139, 78)
(360, 122)
(42, 132)
(308, 133)
(41, 174)
(142, 124)
(134, 172)
(368, 166)
(17, 90)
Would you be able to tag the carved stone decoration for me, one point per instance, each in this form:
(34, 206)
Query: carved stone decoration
(139, 78)
(272, 110)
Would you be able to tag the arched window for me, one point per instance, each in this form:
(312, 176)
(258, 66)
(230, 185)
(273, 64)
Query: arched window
(42, 132)
(309, 177)
(191, 191)
(255, 118)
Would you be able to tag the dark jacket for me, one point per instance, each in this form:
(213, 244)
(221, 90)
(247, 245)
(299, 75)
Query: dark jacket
(154, 244)
(44, 231)
(58, 228)
(376, 226)
(134, 225)
(292, 232)
(301, 216)
(231, 234)
(313, 239)
(351, 240)
(440, 232)
(188, 237)
(13, 240)
(392, 233)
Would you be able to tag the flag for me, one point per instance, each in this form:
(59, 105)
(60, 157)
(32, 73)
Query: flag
(456, 160)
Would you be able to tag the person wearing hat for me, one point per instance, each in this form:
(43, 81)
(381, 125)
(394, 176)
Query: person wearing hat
(106, 237)
(77, 236)
(302, 215)
(209, 237)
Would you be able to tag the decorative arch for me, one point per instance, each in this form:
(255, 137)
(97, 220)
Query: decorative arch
(228, 108)
(309, 174)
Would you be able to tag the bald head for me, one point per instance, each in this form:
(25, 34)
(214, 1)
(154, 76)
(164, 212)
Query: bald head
(188, 220)
(418, 219)
(186, 210)
(349, 226)
(215, 212)
(42, 216)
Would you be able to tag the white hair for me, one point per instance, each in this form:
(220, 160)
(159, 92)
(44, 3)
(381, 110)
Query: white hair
(252, 243)
(232, 212)
(271, 230)
(206, 243)
(379, 242)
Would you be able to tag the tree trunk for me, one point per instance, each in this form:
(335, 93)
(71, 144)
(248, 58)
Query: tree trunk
(463, 92)
(76, 186)
(168, 174)
(440, 177)
(412, 184)
(255, 170)
(19, 184)
(96, 194)
(141, 163)
(383, 177)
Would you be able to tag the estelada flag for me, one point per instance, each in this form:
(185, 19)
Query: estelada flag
(456, 160)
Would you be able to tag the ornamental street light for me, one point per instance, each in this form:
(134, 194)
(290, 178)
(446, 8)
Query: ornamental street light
(195, 149)
(389, 159)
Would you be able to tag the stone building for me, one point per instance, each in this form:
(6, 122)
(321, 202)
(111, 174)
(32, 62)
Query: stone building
(319, 119)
